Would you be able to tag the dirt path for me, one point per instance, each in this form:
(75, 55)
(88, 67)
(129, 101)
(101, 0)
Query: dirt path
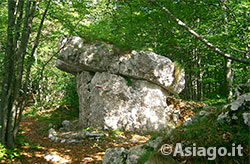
(90, 151)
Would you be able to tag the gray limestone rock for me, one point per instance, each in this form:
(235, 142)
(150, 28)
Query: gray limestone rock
(66, 123)
(224, 117)
(242, 89)
(120, 91)
(241, 104)
(243, 101)
(109, 101)
(246, 117)
(115, 156)
(99, 57)
(53, 135)
(135, 154)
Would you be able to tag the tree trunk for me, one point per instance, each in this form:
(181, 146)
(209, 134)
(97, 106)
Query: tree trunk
(8, 71)
(11, 106)
(229, 80)
(228, 63)
(31, 60)
(199, 79)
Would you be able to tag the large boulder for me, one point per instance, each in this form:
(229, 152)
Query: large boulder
(112, 101)
(76, 56)
(117, 90)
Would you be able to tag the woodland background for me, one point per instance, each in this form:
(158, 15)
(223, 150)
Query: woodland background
(30, 30)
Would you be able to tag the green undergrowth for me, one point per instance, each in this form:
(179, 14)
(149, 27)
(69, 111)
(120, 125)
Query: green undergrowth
(54, 116)
(61, 105)
(8, 155)
(215, 101)
(115, 133)
(207, 132)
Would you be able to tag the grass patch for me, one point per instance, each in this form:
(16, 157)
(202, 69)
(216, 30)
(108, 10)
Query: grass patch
(215, 102)
(115, 133)
(145, 157)
(207, 132)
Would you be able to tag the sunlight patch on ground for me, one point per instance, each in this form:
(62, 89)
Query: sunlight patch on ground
(57, 157)
(91, 151)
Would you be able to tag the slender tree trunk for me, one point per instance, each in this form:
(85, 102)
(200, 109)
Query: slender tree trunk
(199, 79)
(228, 65)
(31, 60)
(229, 80)
(247, 55)
(11, 107)
(8, 71)
(194, 77)
(19, 21)
(18, 69)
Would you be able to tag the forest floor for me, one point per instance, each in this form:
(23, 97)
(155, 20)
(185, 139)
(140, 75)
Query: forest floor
(92, 151)
(36, 144)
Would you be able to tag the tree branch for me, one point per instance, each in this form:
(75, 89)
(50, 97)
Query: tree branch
(198, 36)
